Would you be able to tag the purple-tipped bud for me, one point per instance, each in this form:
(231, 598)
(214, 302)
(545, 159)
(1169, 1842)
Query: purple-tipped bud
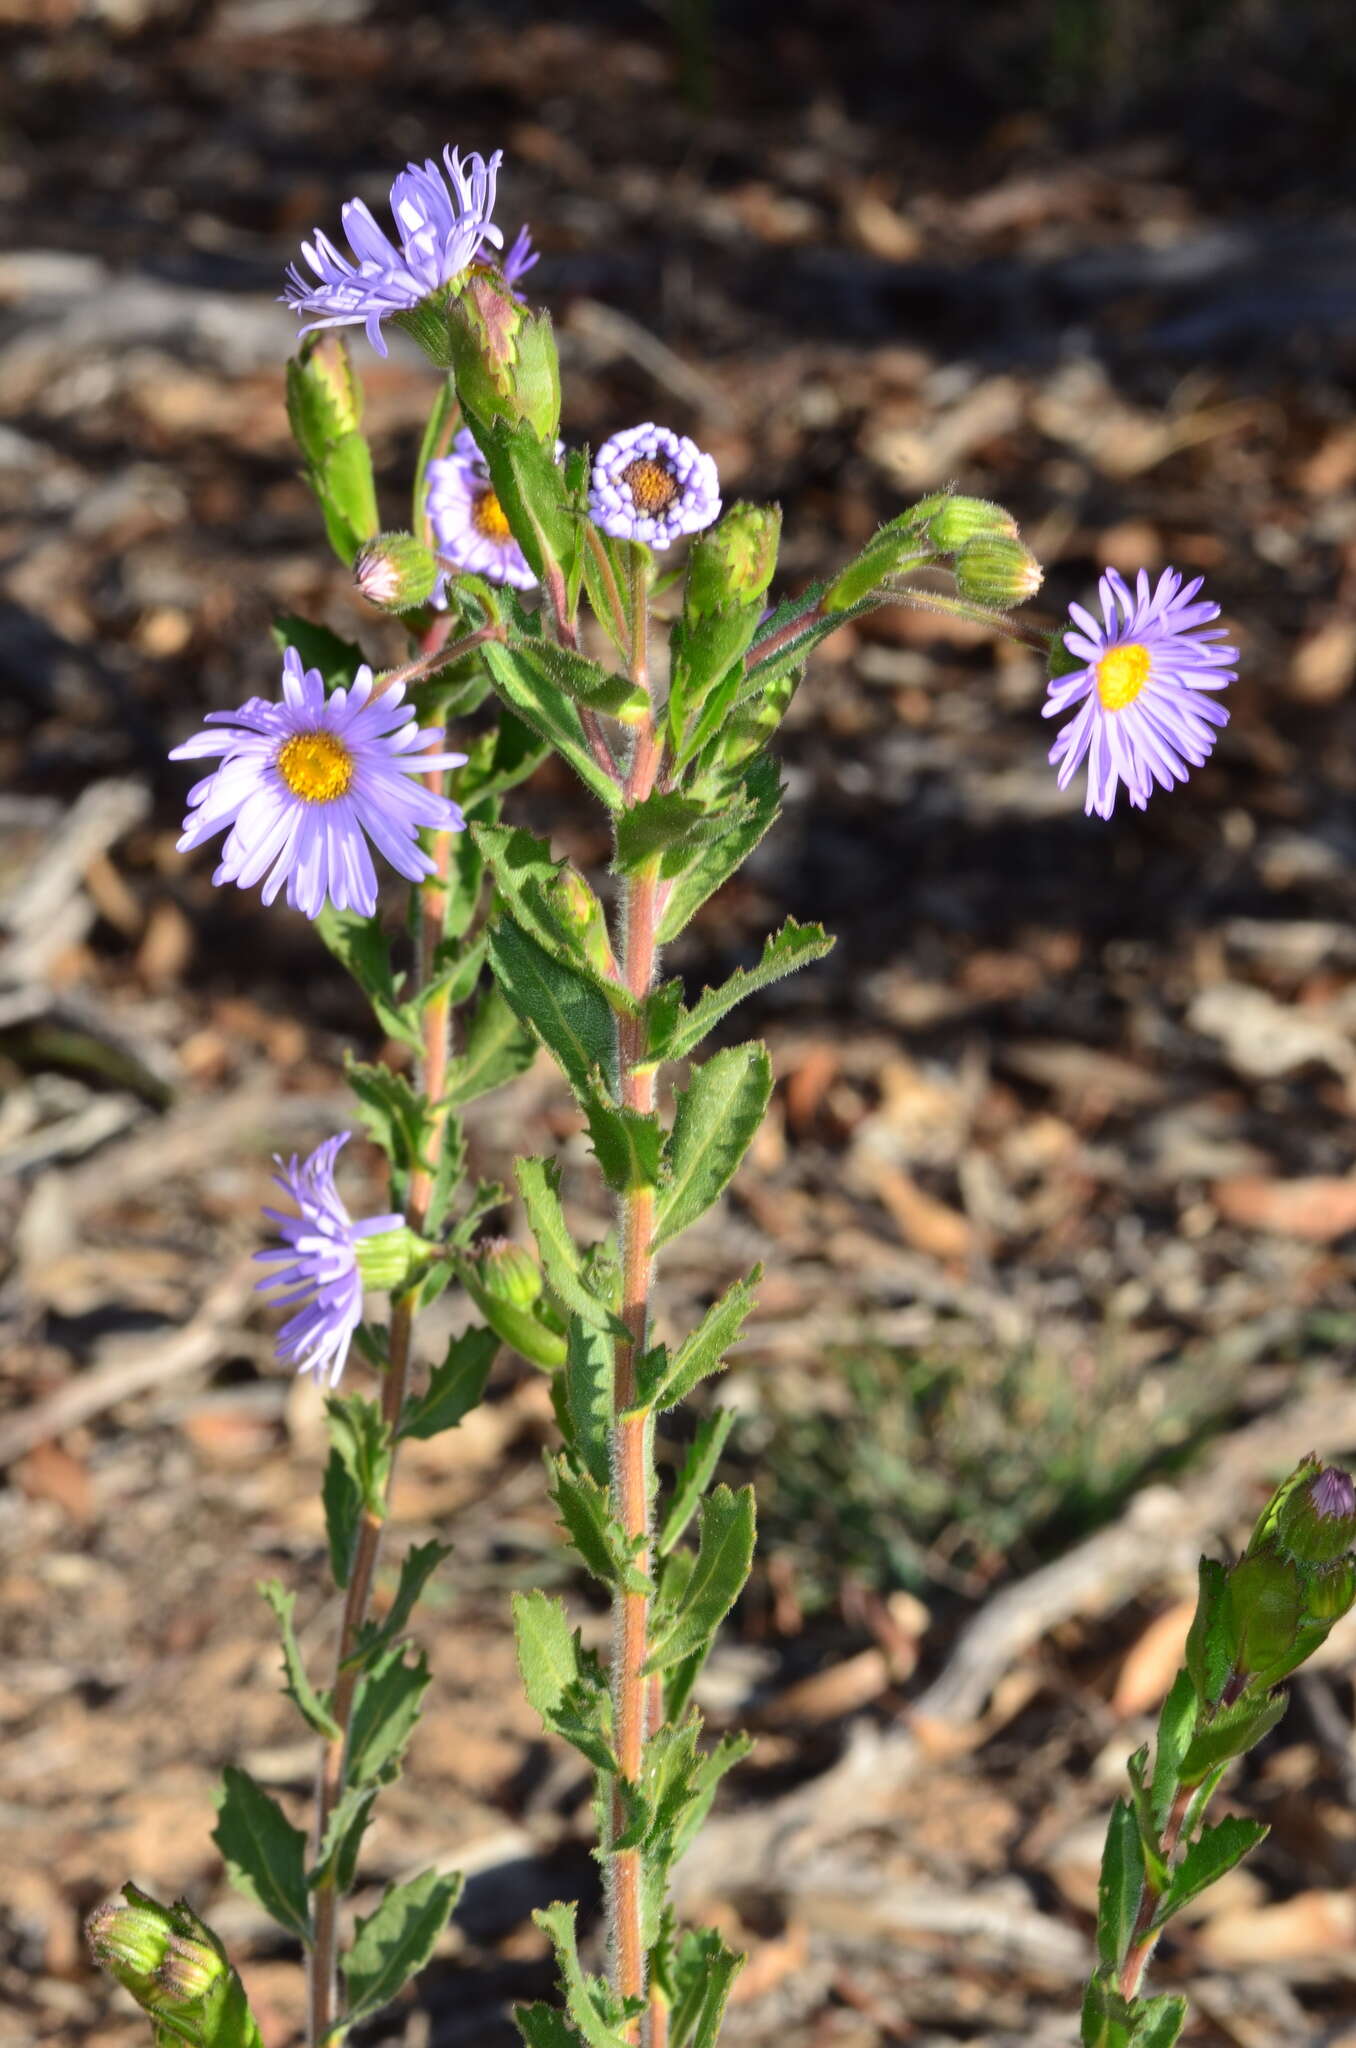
(1317, 1522)
(395, 572)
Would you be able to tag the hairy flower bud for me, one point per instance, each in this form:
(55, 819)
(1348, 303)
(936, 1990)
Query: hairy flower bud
(389, 1259)
(1317, 1520)
(395, 572)
(1266, 1609)
(1330, 1590)
(131, 1938)
(733, 563)
(171, 1963)
(484, 322)
(958, 520)
(509, 1272)
(995, 569)
(324, 397)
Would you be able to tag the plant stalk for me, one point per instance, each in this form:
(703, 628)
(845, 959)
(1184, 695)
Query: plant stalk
(1142, 1943)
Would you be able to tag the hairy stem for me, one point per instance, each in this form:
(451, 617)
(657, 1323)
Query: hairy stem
(1142, 1943)
(322, 1978)
(631, 1446)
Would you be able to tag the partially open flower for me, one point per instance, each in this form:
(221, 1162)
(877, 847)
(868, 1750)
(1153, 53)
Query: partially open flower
(1147, 667)
(319, 1263)
(651, 485)
(442, 221)
(303, 785)
(470, 531)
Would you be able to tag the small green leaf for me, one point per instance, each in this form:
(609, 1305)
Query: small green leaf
(539, 700)
(1209, 1649)
(695, 1476)
(627, 1143)
(396, 1941)
(586, 1512)
(385, 1715)
(748, 819)
(1107, 2017)
(543, 2026)
(337, 1863)
(363, 1441)
(297, 1685)
(265, 1855)
(1176, 1725)
(1216, 1851)
(587, 682)
(795, 945)
(568, 1013)
(704, 1971)
(343, 1512)
(724, 1559)
(548, 1650)
(665, 823)
(589, 1367)
(715, 1121)
(416, 1569)
(497, 1047)
(343, 482)
(455, 1387)
(394, 1116)
(1230, 1732)
(539, 1185)
(581, 1995)
(703, 1351)
(1158, 2021)
(1120, 1886)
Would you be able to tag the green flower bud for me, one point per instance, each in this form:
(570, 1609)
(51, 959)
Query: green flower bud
(960, 520)
(390, 1259)
(1330, 1591)
(509, 1272)
(131, 1939)
(536, 382)
(395, 572)
(997, 570)
(1266, 1612)
(189, 1971)
(733, 563)
(324, 397)
(172, 1964)
(1317, 1521)
(483, 324)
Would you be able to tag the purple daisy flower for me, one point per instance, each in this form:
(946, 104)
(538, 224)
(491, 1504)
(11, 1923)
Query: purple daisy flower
(318, 1263)
(1143, 715)
(442, 222)
(517, 260)
(470, 531)
(304, 784)
(649, 484)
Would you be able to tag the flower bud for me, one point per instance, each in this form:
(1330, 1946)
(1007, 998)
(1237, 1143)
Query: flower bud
(389, 1259)
(484, 321)
(509, 1272)
(732, 563)
(168, 1959)
(1266, 1610)
(395, 572)
(995, 569)
(1317, 1520)
(131, 1938)
(1330, 1591)
(959, 520)
(324, 397)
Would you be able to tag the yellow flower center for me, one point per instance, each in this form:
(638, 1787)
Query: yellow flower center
(487, 517)
(316, 766)
(653, 488)
(1122, 673)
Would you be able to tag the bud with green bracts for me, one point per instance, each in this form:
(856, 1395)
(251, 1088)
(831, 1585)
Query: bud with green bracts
(1316, 1521)
(505, 1283)
(952, 521)
(733, 564)
(175, 1969)
(395, 572)
(324, 397)
(391, 1260)
(504, 358)
(995, 570)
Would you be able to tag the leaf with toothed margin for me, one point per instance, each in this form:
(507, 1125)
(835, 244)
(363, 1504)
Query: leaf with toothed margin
(713, 1126)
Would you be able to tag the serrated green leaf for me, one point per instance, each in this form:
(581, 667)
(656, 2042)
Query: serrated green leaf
(541, 703)
(417, 1567)
(385, 1715)
(393, 1115)
(296, 1683)
(666, 823)
(1209, 1648)
(1215, 1852)
(497, 1047)
(363, 949)
(724, 1558)
(566, 1011)
(544, 2026)
(703, 1351)
(589, 1369)
(1176, 1725)
(557, 1923)
(455, 1387)
(396, 1941)
(587, 682)
(363, 1441)
(1106, 2015)
(704, 1970)
(695, 1475)
(1120, 1887)
(1230, 1732)
(343, 1504)
(338, 660)
(1158, 2021)
(702, 1787)
(749, 818)
(627, 1143)
(548, 1650)
(713, 1126)
(500, 760)
(795, 945)
(337, 1862)
(265, 1856)
(539, 1184)
(586, 1512)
